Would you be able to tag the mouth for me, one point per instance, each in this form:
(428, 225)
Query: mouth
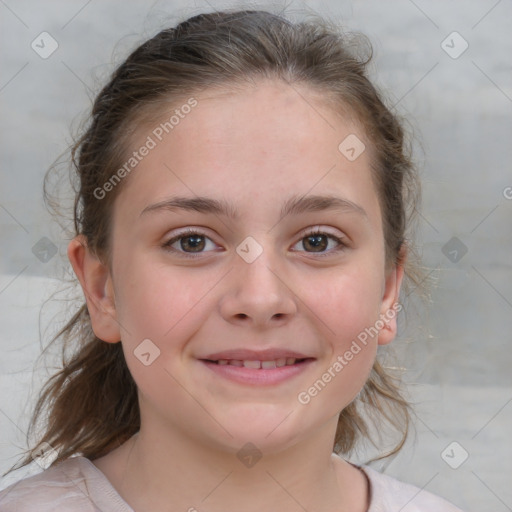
(257, 371)
(257, 364)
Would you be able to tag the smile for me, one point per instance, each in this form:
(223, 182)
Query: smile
(265, 365)
(256, 372)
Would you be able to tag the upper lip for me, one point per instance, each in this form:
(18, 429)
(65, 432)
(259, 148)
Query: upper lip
(270, 354)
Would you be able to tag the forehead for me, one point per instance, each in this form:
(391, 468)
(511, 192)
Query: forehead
(254, 145)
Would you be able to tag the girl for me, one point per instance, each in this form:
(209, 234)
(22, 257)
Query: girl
(241, 241)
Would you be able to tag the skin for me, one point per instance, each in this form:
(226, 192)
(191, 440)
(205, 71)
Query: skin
(255, 147)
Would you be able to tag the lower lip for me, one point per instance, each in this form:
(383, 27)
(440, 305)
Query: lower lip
(258, 377)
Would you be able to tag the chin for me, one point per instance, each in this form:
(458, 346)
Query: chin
(268, 428)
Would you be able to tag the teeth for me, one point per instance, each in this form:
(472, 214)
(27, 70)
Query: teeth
(266, 365)
(252, 364)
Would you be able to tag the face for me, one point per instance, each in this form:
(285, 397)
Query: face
(215, 289)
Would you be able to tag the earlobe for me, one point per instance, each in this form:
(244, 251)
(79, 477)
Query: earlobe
(390, 302)
(96, 283)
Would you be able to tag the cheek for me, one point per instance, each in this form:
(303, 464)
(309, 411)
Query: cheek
(351, 349)
(166, 305)
(154, 299)
(156, 306)
(348, 307)
(348, 303)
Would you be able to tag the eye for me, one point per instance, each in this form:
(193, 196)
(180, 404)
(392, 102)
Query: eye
(192, 242)
(318, 241)
(189, 242)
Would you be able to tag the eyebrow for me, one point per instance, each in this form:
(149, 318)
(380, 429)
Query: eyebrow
(295, 205)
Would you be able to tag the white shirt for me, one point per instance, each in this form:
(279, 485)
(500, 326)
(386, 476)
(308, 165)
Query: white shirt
(77, 485)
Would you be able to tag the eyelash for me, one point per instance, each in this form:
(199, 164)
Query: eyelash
(190, 233)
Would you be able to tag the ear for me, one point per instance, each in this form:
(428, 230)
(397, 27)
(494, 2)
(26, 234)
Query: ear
(98, 289)
(390, 306)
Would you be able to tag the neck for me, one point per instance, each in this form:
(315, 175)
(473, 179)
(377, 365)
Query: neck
(179, 470)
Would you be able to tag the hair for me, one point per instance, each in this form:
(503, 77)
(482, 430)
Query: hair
(90, 406)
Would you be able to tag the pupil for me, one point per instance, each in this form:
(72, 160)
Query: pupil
(196, 245)
(318, 241)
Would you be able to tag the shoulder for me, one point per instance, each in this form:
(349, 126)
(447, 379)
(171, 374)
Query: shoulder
(73, 485)
(388, 493)
(61, 485)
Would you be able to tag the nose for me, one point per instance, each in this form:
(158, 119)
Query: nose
(258, 294)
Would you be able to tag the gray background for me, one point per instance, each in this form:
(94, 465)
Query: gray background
(456, 351)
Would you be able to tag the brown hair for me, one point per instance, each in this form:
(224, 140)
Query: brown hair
(91, 405)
